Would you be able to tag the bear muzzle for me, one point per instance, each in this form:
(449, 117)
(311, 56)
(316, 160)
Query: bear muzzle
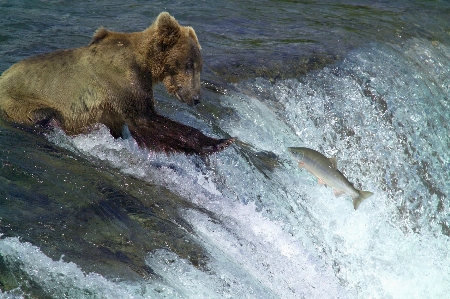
(190, 99)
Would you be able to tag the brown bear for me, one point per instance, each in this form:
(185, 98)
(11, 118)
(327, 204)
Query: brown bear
(110, 81)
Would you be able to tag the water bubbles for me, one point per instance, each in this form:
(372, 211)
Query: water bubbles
(383, 131)
(267, 228)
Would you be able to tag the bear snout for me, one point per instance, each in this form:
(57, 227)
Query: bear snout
(185, 96)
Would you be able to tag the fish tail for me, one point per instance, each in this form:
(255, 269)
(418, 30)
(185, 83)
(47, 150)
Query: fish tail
(362, 195)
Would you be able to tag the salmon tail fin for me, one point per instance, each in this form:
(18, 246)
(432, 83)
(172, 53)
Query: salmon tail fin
(362, 195)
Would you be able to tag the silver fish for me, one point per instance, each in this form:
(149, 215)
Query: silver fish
(326, 171)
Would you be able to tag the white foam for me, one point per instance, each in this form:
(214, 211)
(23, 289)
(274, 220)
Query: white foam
(58, 279)
(283, 235)
(250, 256)
(261, 249)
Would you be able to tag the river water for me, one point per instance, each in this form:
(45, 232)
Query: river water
(364, 81)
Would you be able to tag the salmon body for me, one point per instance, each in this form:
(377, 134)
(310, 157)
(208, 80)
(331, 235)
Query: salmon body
(326, 171)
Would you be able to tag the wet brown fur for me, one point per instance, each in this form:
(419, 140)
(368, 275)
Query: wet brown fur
(111, 81)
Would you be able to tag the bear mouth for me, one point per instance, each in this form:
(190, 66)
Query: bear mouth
(193, 102)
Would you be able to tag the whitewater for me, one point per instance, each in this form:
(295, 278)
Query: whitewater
(268, 228)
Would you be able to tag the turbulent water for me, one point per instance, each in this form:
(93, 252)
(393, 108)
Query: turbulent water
(367, 82)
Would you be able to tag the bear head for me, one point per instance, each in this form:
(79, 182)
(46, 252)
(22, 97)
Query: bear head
(179, 51)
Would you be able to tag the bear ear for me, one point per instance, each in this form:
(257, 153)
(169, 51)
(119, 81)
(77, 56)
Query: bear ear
(192, 35)
(99, 34)
(168, 30)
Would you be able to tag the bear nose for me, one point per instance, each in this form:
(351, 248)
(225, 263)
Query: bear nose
(196, 100)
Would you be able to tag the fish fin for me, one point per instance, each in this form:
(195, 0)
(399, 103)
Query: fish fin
(338, 193)
(333, 161)
(301, 164)
(320, 181)
(362, 195)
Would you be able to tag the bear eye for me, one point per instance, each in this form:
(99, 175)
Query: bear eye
(189, 65)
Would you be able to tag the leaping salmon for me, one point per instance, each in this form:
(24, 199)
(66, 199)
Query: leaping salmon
(325, 169)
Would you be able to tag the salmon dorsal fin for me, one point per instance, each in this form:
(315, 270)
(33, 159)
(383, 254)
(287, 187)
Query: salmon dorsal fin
(333, 162)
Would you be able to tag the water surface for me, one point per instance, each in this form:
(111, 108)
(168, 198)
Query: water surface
(94, 217)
